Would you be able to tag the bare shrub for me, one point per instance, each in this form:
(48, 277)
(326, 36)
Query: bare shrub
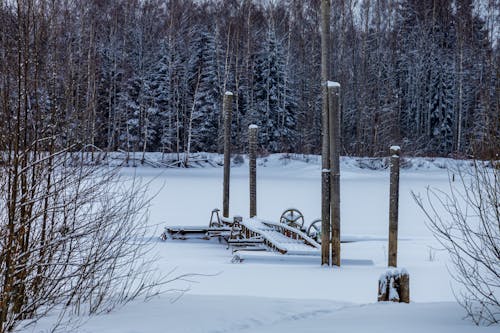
(469, 229)
(73, 238)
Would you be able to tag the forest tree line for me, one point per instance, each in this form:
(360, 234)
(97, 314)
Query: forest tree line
(150, 75)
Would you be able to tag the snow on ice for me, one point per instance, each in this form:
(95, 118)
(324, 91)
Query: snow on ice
(260, 295)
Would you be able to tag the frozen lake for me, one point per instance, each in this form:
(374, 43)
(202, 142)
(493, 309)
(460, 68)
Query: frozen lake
(284, 296)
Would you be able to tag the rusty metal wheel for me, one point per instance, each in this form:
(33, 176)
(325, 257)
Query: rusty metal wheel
(314, 230)
(293, 218)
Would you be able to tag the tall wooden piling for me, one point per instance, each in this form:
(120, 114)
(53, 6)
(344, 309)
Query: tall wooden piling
(325, 217)
(393, 207)
(334, 129)
(252, 156)
(227, 108)
(325, 151)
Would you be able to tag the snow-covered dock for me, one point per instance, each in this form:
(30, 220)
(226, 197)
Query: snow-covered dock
(281, 237)
(252, 233)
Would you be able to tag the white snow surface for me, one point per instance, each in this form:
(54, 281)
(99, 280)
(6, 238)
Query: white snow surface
(268, 294)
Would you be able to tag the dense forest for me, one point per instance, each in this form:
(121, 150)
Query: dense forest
(149, 75)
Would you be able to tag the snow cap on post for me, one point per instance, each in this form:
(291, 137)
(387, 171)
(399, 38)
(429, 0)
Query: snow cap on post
(252, 126)
(395, 151)
(228, 93)
(332, 84)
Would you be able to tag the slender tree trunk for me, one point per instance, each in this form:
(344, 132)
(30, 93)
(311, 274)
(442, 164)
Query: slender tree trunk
(460, 99)
(145, 143)
(190, 124)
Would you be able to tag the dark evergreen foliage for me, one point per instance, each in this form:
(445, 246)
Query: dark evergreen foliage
(150, 75)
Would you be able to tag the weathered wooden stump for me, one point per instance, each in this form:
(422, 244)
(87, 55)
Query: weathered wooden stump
(394, 286)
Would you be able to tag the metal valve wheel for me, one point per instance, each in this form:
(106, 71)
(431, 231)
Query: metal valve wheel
(293, 218)
(314, 230)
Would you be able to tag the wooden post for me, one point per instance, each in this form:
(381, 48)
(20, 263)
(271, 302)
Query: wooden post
(227, 107)
(393, 207)
(252, 163)
(325, 151)
(325, 217)
(334, 125)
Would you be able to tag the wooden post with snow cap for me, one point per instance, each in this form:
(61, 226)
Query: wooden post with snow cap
(393, 206)
(227, 108)
(325, 151)
(252, 164)
(334, 130)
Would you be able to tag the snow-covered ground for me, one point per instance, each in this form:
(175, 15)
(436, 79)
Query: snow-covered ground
(265, 295)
